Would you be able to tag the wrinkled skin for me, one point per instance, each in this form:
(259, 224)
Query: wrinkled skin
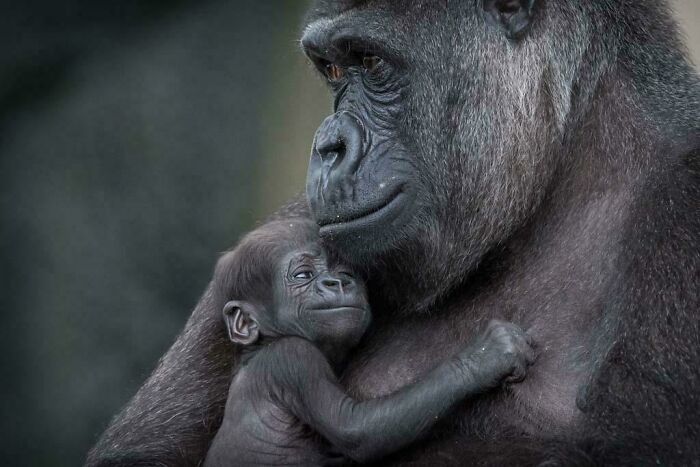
(442, 150)
(326, 305)
(359, 200)
(316, 313)
(548, 166)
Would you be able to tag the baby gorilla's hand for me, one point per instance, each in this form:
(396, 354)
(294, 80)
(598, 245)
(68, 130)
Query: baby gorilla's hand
(501, 354)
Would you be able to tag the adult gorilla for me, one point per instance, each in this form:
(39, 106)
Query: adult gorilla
(529, 160)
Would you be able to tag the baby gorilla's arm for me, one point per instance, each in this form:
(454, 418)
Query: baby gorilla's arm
(369, 430)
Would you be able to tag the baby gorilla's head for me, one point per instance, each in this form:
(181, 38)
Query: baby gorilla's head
(279, 282)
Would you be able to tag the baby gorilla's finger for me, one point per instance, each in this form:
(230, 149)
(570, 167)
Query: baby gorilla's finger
(526, 346)
(518, 374)
(519, 338)
(530, 355)
(532, 348)
(493, 328)
(517, 331)
(530, 339)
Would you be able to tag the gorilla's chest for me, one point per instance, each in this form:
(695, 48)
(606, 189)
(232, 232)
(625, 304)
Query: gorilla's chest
(403, 352)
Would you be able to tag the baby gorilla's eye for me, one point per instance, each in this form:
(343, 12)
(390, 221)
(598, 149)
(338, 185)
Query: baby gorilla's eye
(304, 274)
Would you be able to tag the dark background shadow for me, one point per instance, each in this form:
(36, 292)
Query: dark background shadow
(137, 140)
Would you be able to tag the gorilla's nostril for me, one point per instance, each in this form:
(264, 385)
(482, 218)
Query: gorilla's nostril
(330, 149)
(338, 150)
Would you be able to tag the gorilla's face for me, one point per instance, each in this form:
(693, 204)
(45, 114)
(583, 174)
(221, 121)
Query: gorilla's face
(361, 182)
(444, 128)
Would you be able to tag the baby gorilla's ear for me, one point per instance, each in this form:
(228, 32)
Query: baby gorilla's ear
(241, 323)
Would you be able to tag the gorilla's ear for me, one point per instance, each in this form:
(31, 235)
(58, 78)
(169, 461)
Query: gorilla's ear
(241, 322)
(513, 16)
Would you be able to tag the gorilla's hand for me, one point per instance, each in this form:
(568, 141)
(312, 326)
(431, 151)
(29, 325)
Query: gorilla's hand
(501, 354)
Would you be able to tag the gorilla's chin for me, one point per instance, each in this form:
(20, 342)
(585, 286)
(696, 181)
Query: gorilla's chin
(376, 230)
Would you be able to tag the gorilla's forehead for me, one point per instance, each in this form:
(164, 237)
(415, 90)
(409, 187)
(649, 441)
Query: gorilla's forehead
(326, 8)
(332, 8)
(383, 23)
(385, 18)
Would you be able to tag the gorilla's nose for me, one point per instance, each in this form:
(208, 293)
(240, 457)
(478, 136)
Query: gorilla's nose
(339, 146)
(330, 146)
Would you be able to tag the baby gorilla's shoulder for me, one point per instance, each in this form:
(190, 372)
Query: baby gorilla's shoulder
(290, 361)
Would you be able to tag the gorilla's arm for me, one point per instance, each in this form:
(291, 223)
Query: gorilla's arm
(645, 392)
(175, 414)
(628, 402)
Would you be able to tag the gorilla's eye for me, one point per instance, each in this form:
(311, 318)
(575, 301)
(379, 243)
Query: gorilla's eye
(304, 274)
(334, 72)
(371, 62)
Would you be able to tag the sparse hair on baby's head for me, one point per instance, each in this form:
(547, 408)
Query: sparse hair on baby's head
(246, 272)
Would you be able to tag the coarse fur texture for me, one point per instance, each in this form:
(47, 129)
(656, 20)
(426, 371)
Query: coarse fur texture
(551, 179)
(248, 270)
(293, 312)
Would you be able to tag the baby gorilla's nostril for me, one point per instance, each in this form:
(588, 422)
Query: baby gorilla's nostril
(331, 283)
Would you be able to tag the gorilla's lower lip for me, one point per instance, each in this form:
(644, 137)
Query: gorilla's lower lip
(390, 206)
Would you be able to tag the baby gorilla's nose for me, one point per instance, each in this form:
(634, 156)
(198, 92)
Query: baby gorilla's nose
(339, 285)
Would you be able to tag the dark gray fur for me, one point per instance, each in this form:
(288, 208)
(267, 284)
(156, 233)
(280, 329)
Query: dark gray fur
(560, 182)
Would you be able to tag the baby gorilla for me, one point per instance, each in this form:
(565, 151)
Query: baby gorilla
(297, 314)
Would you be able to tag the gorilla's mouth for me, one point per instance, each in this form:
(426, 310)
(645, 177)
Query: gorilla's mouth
(376, 213)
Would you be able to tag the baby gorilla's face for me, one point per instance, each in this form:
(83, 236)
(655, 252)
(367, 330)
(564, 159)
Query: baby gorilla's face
(325, 304)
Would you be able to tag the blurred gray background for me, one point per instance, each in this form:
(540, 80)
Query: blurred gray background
(138, 139)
